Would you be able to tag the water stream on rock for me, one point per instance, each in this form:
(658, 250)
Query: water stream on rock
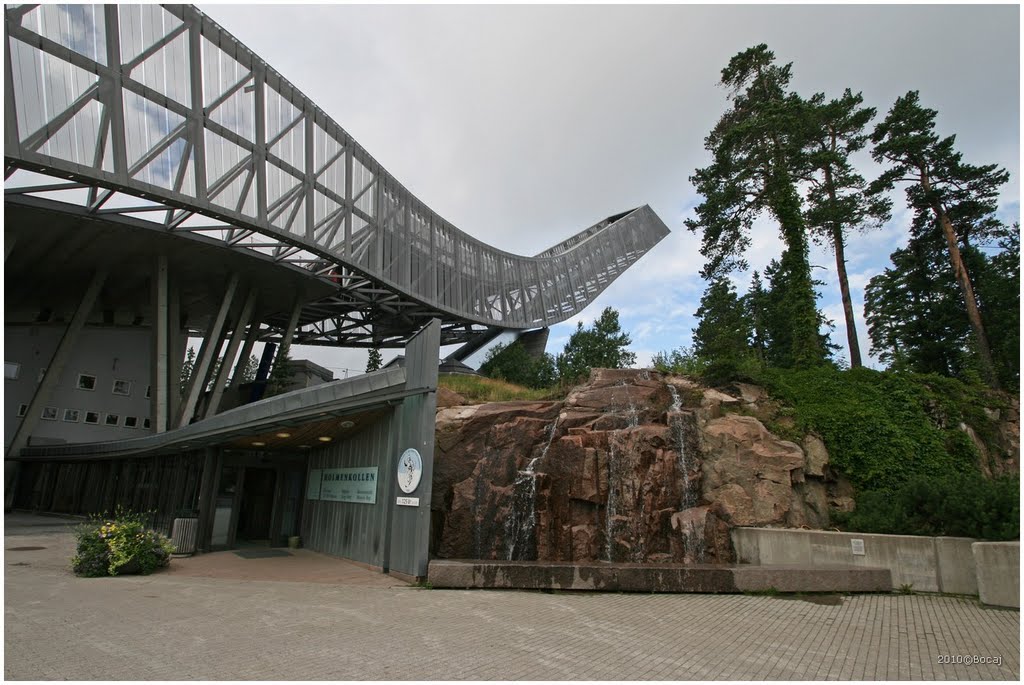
(520, 527)
(612, 504)
(614, 477)
(693, 533)
(676, 421)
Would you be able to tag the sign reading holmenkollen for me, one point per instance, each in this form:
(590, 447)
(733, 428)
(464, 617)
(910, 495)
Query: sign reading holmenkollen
(349, 485)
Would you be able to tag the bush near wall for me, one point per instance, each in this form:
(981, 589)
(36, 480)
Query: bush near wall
(962, 506)
(119, 545)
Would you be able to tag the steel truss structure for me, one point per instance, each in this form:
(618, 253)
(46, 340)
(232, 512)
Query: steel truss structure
(156, 114)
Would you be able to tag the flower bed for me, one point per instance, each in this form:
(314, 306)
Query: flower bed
(118, 546)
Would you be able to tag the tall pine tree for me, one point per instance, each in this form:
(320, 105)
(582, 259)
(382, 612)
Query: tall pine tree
(758, 150)
(943, 186)
(837, 202)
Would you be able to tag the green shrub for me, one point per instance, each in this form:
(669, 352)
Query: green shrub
(964, 505)
(514, 364)
(883, 428)
(119, 545)
(712, 372)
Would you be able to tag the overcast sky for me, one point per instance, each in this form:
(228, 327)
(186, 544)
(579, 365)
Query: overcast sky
(524, 124)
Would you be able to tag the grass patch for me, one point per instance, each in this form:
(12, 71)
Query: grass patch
(479, 389)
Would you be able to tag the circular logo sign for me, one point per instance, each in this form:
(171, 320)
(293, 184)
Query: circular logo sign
(410, 469)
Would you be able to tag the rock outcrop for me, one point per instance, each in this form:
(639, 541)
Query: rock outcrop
(632, 466)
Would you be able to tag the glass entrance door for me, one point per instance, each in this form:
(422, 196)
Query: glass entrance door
(225, 507)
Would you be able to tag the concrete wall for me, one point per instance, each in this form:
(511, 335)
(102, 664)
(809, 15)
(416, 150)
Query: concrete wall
(108, 353)
(925, 564)
(998, 565)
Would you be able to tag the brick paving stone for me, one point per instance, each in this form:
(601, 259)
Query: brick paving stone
(324, 619)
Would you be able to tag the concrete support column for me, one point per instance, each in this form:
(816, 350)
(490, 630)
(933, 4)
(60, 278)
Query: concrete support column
(293, 322)
(229, 355)
(207, 355)
(177, 337)
(243, 358)
(159, 396)
(289, 333)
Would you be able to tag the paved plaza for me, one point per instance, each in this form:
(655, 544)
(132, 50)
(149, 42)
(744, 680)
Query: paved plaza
(202, 620)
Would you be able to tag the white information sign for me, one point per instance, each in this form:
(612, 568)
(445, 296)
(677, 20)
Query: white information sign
(857, 546)
(408, 501)
(313, 486)
(349, 485)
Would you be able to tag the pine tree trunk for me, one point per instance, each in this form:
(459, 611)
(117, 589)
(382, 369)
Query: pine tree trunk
(844, 283)
(844, 291)
(964, 280)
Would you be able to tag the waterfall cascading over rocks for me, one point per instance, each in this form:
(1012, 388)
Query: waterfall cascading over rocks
(631, 466)
(521, 526)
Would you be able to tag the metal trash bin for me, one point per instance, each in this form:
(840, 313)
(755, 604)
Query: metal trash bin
(183, 535)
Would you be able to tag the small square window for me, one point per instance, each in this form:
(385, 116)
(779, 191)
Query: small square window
(131, 422)
(72, 415)
(92, 417)
(122, 387)
(49, 414)
(22, 410)
(111, 419)
(86, 382)
(145, 423)
(11, 371)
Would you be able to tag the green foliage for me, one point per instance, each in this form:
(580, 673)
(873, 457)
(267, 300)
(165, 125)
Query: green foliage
(186, 370)
(514, 364)
(722, 337)
(603, 345)
(280, 374)
(883, 428)
(916, 314)
(678, 362)
(964, 505)
(252, 364)
(759, 155)
(119, 545)
(373, 360)
(997, 284)
(787, 321)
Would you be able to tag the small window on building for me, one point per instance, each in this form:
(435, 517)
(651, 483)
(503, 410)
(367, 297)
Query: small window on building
(11, 371)
(92, 417)
(22, 410)
(131, 422)
(42, 372)
(86, 382)
(122, 387)
(49, 414)
(111, 419)
(145, 423)
(147, 391)
(72, 415)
